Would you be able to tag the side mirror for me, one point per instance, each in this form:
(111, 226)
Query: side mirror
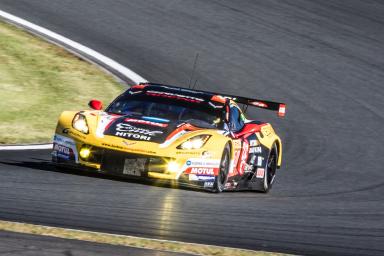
(95, 104)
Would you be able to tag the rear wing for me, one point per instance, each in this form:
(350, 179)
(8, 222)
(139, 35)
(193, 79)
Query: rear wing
(264, 104)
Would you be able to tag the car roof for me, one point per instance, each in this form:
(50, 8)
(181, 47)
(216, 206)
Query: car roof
(209, 97)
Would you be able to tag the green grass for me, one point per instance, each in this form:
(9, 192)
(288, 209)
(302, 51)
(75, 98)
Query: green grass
(38, 81)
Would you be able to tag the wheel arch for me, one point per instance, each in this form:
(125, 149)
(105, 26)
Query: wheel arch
(279, 152)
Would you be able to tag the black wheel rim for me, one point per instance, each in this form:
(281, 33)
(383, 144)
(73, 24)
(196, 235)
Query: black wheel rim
(223, 168)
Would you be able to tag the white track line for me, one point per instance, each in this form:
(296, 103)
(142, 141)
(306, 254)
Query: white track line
(26, 147)
(81, 49)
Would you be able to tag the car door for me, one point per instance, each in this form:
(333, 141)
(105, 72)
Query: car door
(240, 146)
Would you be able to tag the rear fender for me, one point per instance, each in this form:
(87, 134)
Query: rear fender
(268, 138)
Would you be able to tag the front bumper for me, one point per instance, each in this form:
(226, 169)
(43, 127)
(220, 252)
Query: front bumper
(197, 171)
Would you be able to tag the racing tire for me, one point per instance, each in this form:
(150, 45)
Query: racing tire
(222, 177)
(270, 169)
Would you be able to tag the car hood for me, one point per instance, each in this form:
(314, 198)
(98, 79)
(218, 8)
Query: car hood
(138, 128)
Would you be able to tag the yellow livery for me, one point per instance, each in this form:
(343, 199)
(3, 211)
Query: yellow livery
(172, 133)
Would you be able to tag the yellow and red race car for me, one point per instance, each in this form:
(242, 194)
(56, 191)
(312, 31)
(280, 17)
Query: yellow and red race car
(171, 133)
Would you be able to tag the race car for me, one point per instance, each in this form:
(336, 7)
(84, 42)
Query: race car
(176, 134)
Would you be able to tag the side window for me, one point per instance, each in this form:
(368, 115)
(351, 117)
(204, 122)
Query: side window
(236, 121)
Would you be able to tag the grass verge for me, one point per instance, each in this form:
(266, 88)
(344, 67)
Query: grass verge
(38, 81)
(138, 242)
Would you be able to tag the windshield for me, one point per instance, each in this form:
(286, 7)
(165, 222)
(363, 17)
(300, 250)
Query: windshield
(169, 110)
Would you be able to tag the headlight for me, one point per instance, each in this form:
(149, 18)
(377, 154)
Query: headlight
(172, 166)
(80, 123)
(195, 142)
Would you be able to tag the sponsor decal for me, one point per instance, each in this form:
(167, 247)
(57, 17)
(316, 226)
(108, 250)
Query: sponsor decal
(243, 158)
(208, 184)
(73, 133)
(248, 168)
(64, 147)
(109, 145)
(236, 158)
(259, 104)
(112, 146)
(123, 127)
(260, 160)
(143, 151)
(253, 143)
(198, 162)
(175, 96)
(131, 132)
(155, 119)
(266, 131)
(194, 177)
(237, 143)
(206, 178)
(139, 121)
(129, 149)
(253, 159)
(255, 150)
(63, 140)
(61, 151)
(203, 171)
(187, 153)
(129, 135)
(260, 173)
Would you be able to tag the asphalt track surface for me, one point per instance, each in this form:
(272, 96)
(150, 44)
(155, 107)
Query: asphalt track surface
(15, 244)
(325, 59)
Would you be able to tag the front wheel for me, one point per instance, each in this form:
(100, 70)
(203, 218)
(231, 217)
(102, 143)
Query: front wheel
(221, 178)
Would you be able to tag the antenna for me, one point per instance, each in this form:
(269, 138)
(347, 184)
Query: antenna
(245, 108)
(193, 71)
(194, 85)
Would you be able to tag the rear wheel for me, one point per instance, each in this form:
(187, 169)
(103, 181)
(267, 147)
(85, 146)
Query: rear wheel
(221, 178)
(270, 169)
